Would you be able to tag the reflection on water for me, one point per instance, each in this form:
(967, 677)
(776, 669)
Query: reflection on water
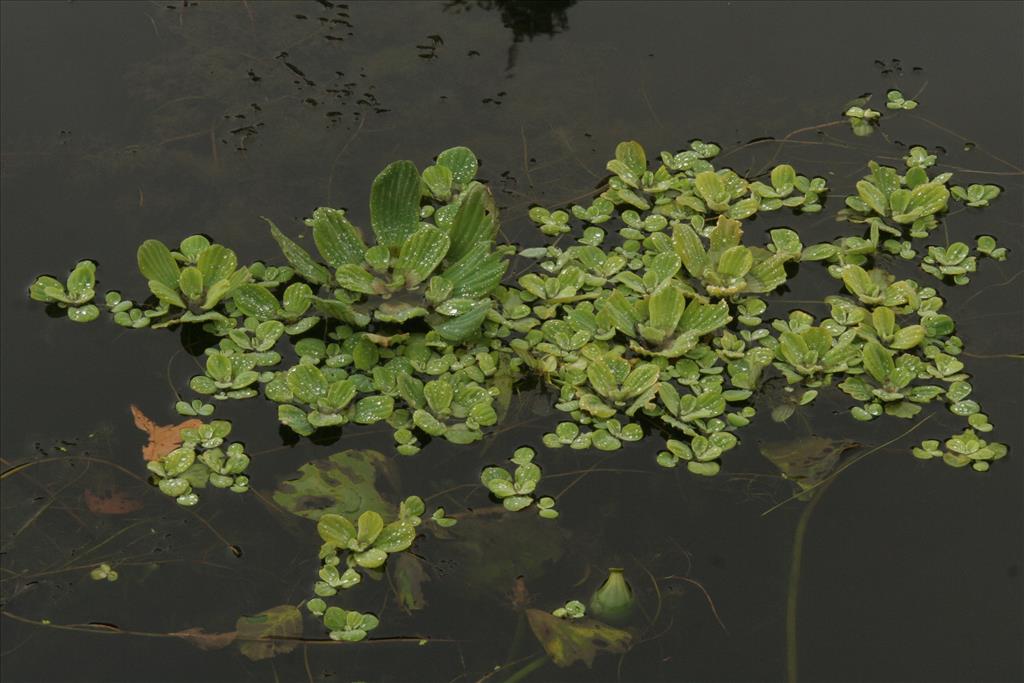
(122, 122)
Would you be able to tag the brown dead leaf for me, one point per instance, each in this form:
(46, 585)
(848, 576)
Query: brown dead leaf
(204, 640)
(162, 439)
(116, 503)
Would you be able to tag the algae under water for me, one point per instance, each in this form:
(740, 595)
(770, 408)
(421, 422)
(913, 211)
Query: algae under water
(151, 121)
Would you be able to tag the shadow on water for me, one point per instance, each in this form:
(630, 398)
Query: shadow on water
(128, 121)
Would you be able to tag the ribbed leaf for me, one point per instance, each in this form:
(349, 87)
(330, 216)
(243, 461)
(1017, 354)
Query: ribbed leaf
(620, 313)
(735, 261)
(726, 233)
(767, 273)
(421, 254)
(884, 321)
(793, 348)
(307, 382)
(476, 273)
(338, 241)
(476, 221)
(699, 319)
(156, 263)
(690, 250)
(873, 197)
(463, 326)
(298, 257)
(257, 302)
(712, 190)
(190, 281)
(877, 361)
(601, 378)
(639, 380)
(666, 306)
(355, 278)
(461, 162)
(216, 262)
(395, 203)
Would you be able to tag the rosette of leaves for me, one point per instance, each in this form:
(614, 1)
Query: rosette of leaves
(75, 295)
(702, 454)
(894, 99)
(812, 355)
(726, 267)
(881, 326)
(789, 189)
(686, 185)
(663, 323)
(919, 156)
(314, 397)
(953, 261)
(966, 448)
(890, 391)
(442, 271)
(862, 119)
(227, 376)
(699, 410)
(348, 625)
(911, 200)
(127, 314)
(574, 609)
(256, 301)
(452, 406)
(976, 195)
(195, 278)
(987, 246)
(514, 490)
(366, 545)
(199, 461)
(876, 288)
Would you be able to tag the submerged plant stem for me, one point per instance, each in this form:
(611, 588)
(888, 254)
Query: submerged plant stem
(794, 583)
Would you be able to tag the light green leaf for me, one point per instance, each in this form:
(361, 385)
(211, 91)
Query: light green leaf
(395, 203)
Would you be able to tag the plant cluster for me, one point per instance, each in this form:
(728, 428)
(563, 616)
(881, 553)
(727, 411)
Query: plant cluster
(646, 312)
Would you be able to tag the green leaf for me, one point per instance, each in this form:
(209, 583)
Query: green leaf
(421, 253)
(336, 530)
(355, 278)
(298, 257)
(395, 203)
(601, 378)
(257, 302)
(873, 197)
(82, 282)
(735, 261)
(368, 528)
(878, 361)
(396, 537)
(463, 326)
(476, 221)
(338, 241)
(666, 305)
(461, 162)
(157, 264)
(216, 262)
(690, 250)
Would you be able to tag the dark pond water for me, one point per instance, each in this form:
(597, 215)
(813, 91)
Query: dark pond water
(124, 121)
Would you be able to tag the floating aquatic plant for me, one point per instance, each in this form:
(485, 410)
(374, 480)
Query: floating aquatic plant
(648, 309)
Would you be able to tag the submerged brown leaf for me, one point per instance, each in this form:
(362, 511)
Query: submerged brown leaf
(162, 439)
(576, 640)
(255, 632)
(204, 640)
(806, 460)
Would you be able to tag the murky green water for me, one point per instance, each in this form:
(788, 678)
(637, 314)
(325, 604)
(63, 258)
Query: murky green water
(128, 121)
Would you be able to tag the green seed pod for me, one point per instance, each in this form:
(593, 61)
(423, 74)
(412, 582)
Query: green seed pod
(613, 602)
